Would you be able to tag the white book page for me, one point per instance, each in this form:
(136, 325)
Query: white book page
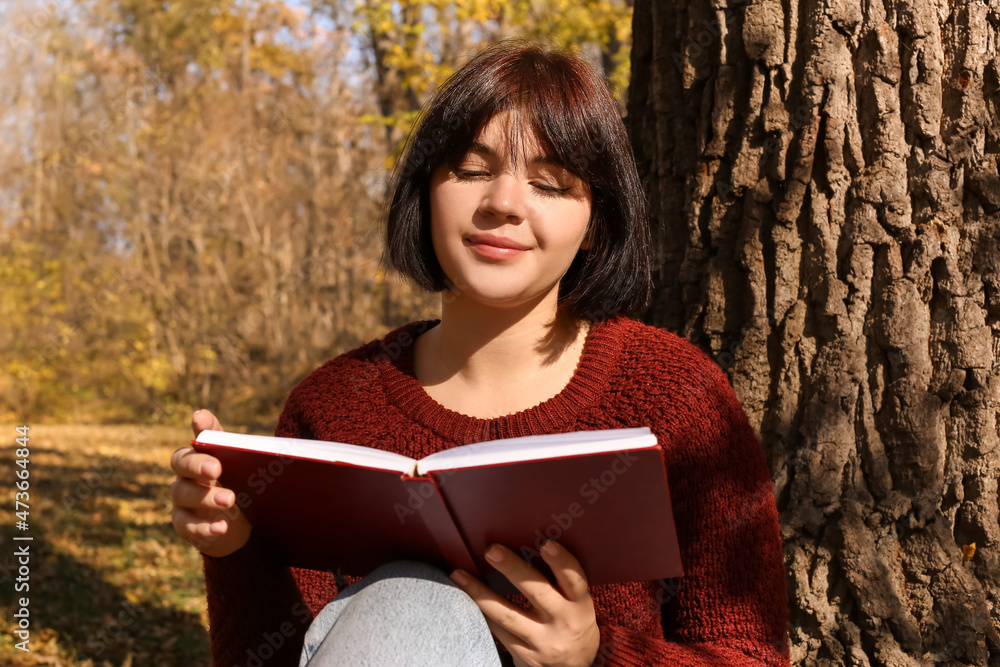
(311, 449)
(535, 447)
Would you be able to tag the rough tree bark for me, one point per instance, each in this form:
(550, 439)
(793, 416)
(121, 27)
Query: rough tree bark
(824, 188)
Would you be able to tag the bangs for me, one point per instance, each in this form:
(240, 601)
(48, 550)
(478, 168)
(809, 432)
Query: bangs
(548, 100)
(521, 136)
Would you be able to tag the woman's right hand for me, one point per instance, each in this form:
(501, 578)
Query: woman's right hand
(205, 514)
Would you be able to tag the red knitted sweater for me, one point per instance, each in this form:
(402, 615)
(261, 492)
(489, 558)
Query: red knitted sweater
(729, 608)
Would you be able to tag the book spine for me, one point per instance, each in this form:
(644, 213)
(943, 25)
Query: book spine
(426, 501)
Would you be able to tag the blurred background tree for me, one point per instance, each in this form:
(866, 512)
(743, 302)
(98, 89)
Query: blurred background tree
(190, 190)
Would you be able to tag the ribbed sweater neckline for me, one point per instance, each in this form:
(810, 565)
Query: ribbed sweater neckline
(601, 351)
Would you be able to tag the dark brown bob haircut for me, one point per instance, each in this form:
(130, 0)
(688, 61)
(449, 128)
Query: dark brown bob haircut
(574, 115)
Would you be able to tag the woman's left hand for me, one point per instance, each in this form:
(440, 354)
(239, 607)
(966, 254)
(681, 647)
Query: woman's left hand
(563, 631)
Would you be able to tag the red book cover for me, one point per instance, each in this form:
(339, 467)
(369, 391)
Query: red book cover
(611, 511)
(348, 509)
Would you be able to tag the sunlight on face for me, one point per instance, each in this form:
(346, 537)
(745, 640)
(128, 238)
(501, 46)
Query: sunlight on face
(484, 201)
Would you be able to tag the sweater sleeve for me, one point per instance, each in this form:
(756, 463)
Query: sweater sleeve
(730, 607)
(255, 608)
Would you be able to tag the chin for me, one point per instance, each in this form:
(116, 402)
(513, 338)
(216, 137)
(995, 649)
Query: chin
(494, 298)
(498, 300)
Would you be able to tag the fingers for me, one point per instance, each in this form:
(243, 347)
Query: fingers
(203, 420)
(527, 579)
(569, 573)
(513, 643)
(186, 462)
(214, 532)
(204, 513)
(204, 468)
(498, 611)
(561, 627)
(186, 493)
(191, 525)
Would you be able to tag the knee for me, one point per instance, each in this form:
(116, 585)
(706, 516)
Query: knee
(410, 569)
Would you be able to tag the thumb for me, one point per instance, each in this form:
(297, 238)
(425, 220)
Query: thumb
(203, 420)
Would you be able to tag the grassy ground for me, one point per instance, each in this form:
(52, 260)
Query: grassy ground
(111, 583)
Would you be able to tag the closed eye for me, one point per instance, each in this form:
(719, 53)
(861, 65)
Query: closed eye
(466, 173)
(545, 190)
(550, 191)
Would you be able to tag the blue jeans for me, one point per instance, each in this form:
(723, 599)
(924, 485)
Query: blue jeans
(403, 613)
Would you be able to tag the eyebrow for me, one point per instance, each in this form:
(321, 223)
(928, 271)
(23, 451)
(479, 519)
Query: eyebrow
(479, 147)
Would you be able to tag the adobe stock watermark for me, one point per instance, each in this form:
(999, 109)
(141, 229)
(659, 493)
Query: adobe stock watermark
(90, 482)
(711, 32)
(594, 149)
(602, 313)
(727, 357)
(258, 482)
(54, 344)
(84, 149)
(749, 506)
(592, 490)
(392, 350)
(666, 590)
(427, 147)
(113, 632)
(221, 179)
(417, 498)
(28, 28)
(271, 642)
(772, 144)
(267, 306)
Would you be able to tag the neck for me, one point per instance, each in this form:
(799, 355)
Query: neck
(487, 347)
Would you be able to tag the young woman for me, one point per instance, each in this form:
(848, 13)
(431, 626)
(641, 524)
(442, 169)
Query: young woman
(518, 199)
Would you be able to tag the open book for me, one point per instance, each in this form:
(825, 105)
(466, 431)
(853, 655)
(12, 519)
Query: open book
(348, 509)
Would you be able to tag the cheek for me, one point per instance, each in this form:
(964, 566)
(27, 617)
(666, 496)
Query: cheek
(439, 216)
(574, 228)
(445, 207)
(445, 237)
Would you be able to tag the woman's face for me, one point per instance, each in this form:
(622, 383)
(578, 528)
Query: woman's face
(537, 207)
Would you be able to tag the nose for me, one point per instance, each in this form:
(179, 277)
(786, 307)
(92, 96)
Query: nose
(504, 197)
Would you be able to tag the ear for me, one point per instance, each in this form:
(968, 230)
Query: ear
(588, 240)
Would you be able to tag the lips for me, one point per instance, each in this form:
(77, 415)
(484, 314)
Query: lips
(495, 241)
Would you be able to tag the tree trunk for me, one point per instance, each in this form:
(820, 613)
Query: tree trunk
(826, 202)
